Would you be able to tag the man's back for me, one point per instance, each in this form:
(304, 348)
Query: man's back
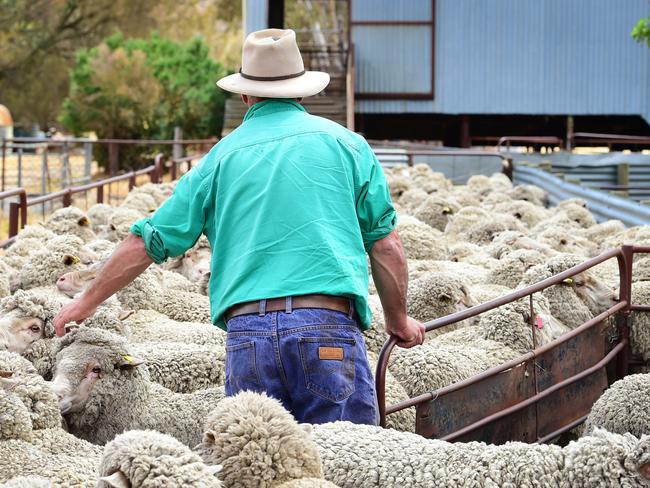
(289, 191)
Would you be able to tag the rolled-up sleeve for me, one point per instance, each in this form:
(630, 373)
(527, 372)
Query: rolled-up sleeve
(178, 223)
(375, 211)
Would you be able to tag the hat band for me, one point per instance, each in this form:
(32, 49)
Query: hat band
(270, 78)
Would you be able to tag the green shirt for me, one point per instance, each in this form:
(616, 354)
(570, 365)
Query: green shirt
(290, 203)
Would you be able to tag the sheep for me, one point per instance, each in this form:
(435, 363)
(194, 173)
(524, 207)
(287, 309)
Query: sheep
(510, 270)
(509, 241)
(483, 233)
(420, 240)
(140, 201)
(466, 252)
(70, 220)
(194, 264)
(145, 292)
(624, 407)
(258, 443)
(151, 326)
(639, 235)
(639, 321)
(145, 458)
(27, 482)
(103, 390)
(528, 213)
(436, 210)
(119, 225)
(530, 193)
(600, 232)
(412, 199)
(25, 318)
(566, 241)
(60, 255)
(578, 299)
(37, 232)
(364, 455)
(436, 295)
(464, 218)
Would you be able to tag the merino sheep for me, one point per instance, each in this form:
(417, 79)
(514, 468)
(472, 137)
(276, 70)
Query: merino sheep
(436, 210)
(258, 443)
(363, 455)
(93, 366)
(579, 298)
(420, 240)
(25, 318)
(436, 295)
(148, 459)
(624, 407)
(510, 270)
(530, 193)
(70, 220)
(528, 213)
(194, 264)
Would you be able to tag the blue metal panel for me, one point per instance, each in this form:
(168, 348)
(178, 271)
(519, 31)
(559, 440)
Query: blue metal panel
(602, 205)
(527, 57)
(256, 15)
(394, 10)
(402, 51)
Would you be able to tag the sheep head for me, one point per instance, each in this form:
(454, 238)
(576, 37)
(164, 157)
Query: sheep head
(77, 281)
(24, 319)
(85, 360)
(258, 442)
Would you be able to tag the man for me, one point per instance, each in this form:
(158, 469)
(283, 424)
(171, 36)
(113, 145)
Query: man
(290, 203)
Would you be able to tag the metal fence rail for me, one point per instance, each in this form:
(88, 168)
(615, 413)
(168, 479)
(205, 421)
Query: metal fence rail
(495, 404)
(20, 203)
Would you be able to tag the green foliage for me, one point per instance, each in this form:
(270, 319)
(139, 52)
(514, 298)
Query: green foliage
(641, 31)
(143, 88)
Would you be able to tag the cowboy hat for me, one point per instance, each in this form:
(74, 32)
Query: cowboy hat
(272, 67)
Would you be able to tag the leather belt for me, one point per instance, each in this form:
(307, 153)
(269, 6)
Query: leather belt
(329, 302)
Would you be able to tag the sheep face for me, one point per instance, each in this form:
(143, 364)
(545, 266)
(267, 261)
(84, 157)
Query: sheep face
(80, 368)
(597, 296)
(18, 332)
(75, 281)
(194, 265)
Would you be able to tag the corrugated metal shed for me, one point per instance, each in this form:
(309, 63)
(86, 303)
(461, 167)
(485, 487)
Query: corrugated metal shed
(512, 57)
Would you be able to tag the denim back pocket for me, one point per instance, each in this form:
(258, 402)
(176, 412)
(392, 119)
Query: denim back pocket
(241, 368)
(328, 364)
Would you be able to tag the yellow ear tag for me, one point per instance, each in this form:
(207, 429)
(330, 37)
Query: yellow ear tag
(446, 210)
(75, 260)
(127, 358)
(568, 281)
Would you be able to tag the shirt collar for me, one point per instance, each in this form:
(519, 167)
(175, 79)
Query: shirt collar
(271, 106)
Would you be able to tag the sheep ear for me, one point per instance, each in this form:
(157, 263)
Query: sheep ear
(445, 296)
(130, 362)
(208, 437)
(644, 469)
(83, 222)
(116, 480)
(125, 314)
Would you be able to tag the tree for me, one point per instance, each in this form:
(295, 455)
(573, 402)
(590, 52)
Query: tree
(143, 88)
(641, 31)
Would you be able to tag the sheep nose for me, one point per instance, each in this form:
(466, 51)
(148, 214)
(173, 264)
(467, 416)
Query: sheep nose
(59, 396)
(62, 279)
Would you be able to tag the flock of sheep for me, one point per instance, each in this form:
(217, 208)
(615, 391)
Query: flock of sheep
(134, 397)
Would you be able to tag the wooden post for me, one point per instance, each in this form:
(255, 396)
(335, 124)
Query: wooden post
(177, 151)
(568, 143)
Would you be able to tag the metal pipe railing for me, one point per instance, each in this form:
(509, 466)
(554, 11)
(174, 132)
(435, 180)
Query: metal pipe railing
(624, 256)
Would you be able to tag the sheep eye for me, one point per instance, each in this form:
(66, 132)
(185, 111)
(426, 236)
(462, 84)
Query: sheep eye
(563, 242)
(97, 370)
(518, 215)
(35, 328)
(113, 227)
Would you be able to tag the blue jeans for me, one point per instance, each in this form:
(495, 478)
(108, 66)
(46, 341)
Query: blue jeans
(312, 360)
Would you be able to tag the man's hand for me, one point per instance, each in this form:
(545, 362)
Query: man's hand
(75, 311)
(409, 334)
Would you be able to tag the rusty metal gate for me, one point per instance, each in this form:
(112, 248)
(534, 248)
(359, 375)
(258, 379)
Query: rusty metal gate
(537, 396)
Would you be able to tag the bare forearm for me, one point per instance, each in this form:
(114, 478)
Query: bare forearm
(126, 263)
(390, 273)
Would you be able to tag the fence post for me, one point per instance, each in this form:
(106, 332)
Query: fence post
(13, 218)
(100, 194)
(4, 151)
(88, 161)
(622, 318)
(19, 181)
(159, 163)
(132, 180)
(67, 198)
(177, 151)
(64, 167)
(113, 158)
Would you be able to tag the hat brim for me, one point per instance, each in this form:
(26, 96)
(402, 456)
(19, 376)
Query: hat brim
(306, 85)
